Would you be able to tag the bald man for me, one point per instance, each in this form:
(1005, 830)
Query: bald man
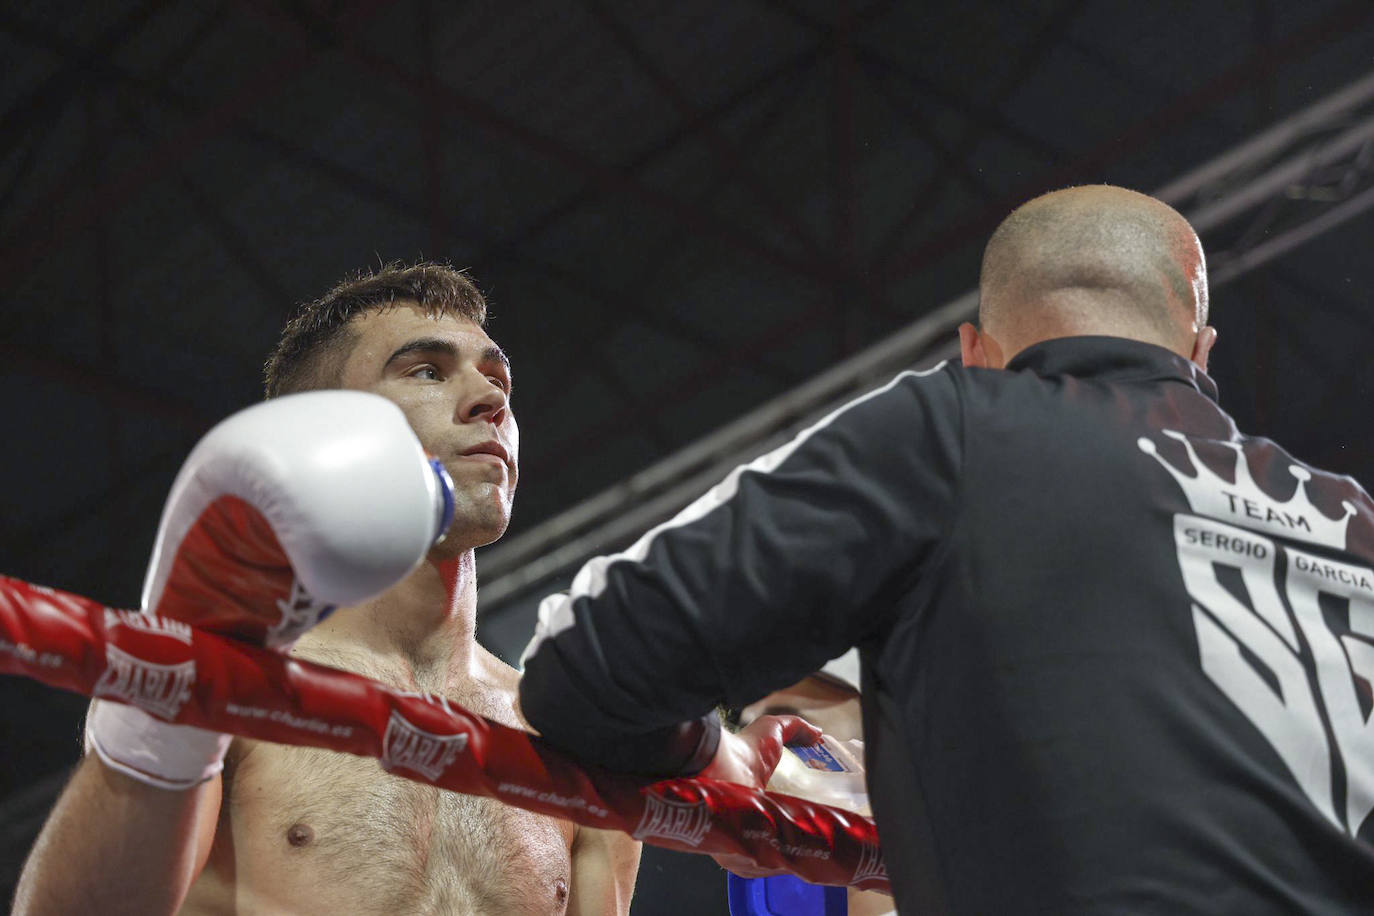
(1116, 654)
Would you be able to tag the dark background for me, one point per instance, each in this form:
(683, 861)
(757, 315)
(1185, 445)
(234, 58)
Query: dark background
(680, 210)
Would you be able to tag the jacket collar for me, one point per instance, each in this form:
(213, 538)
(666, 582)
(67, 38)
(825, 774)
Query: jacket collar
(1113, 359)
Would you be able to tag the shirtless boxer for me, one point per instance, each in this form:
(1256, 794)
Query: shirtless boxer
(298, 830)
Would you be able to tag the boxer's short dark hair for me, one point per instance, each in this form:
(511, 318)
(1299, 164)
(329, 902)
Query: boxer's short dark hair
(306, 356)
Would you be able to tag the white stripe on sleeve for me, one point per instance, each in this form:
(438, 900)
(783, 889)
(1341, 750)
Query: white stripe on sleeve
(555, 611)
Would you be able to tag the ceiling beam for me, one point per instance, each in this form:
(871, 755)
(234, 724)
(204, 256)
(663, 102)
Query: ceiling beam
(47, 225)
(729, 154)
(781, 75)
(236, 243)
(611, 178)
(1029, 59)
(629, 300)
(675, 391)
(431, 128)
(60, 88)
(105, 387)
(844, 205)
(1298, 44)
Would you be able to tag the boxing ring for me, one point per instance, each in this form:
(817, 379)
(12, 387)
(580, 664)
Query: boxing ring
(211, 677)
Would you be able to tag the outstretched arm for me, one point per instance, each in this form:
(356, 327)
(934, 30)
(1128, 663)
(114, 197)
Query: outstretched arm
(281, 512)
(787, 563)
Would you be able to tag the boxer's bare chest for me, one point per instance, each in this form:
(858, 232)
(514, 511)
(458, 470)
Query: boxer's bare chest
(306, 831)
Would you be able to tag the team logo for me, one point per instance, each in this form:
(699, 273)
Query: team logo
(685, 822)
(299, 612)
(1286, 635)
(1244, 503)
(406, 747)
(871, 864)
(159, 690)
(149, 623)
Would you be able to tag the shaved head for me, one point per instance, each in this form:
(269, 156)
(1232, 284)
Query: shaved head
(1095, 259)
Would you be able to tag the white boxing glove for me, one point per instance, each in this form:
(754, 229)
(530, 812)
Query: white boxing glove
(338, 475)
(282, 512)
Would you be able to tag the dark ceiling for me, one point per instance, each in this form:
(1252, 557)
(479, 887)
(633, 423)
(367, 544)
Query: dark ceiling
(678, 209)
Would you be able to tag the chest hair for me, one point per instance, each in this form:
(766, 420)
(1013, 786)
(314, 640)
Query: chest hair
(396, 843)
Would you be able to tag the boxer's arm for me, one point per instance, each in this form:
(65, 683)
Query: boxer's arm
(115, 845)
(604, 866)
(326, 494)
(787, 563)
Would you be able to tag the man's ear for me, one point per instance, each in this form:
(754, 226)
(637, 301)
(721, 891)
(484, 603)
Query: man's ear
(979, 349)
(1202, 346)
(971, 348)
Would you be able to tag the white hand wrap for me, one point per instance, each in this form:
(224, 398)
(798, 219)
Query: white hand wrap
(160, 754)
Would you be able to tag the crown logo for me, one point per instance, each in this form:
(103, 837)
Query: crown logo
(1243, 503)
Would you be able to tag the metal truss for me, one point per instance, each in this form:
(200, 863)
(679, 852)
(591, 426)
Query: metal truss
(1295, 181)
(1291, 183)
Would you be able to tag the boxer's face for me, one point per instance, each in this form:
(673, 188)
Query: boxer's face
(453, 383)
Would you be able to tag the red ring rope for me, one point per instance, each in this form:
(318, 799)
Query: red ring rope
(188, 675)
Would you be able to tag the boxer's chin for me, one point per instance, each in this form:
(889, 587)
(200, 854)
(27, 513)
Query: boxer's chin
(481, 515)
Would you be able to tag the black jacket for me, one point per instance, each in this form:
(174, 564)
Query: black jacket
(1117, 656)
